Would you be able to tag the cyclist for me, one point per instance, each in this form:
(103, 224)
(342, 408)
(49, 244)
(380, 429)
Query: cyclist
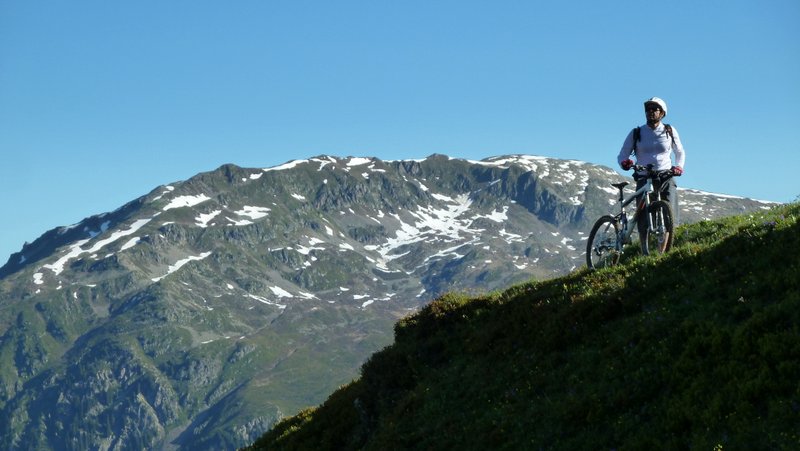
(654, 144)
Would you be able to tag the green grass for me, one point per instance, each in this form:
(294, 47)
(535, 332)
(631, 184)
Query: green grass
(697, 349)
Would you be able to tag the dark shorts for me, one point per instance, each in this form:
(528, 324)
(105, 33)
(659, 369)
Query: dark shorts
(670, 192)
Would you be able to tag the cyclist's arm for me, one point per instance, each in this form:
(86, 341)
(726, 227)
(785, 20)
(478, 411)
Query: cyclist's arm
(677, 149)
(627, 148)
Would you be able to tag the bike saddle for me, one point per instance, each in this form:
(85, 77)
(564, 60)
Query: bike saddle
(620, 185)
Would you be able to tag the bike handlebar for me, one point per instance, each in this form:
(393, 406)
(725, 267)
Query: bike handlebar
(649, 172)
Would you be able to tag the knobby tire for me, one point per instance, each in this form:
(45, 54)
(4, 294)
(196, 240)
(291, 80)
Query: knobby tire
(659, 240)
(601, 250)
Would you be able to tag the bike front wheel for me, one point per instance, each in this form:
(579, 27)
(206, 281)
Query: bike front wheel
(657, 239)
(602, 250)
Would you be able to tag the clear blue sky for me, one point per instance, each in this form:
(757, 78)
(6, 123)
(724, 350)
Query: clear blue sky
(102, 101)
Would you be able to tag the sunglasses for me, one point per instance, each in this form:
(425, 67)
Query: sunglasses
(652, 108)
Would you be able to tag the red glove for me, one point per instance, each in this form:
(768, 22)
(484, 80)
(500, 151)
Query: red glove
(677, 170)
(627, 164)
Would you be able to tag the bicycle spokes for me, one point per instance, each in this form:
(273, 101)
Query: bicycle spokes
(602, 249)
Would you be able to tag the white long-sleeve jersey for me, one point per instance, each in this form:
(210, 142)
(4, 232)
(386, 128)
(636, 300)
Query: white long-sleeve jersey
(655, 146)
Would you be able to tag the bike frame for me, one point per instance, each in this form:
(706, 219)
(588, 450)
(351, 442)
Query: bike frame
(629, 226)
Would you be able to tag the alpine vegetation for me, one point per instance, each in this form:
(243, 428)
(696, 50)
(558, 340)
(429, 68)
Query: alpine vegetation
(698, 348)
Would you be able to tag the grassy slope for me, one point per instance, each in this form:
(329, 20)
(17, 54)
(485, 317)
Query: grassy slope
(696, 349)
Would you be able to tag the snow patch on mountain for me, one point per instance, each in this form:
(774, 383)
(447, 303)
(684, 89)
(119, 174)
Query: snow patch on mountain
(253, 212)
(132, 242)
(288, 165)
(431, 222)
(181, 263)
(280, 292)
(324, 162)
(696, 192)
(186, 201)
(76, 249)
(312, 245)
(511, 237)
(557, 172)
(203, 219)
(264, 300)
(496, 216)
(358, 161)
(167, 189)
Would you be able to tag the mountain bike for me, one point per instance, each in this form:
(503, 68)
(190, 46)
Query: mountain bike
(611, 232)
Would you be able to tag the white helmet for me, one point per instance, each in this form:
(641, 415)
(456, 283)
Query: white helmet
(660, 102)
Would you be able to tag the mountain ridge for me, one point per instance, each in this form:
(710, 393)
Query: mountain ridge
(32, 252)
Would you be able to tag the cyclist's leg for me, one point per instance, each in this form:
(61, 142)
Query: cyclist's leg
(672, 197)
(670, 194)
(641, 223)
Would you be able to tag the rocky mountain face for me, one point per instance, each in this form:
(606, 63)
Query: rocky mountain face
(197, 315)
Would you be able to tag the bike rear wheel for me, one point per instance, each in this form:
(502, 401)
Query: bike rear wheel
(657, 239)
(602, 250)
